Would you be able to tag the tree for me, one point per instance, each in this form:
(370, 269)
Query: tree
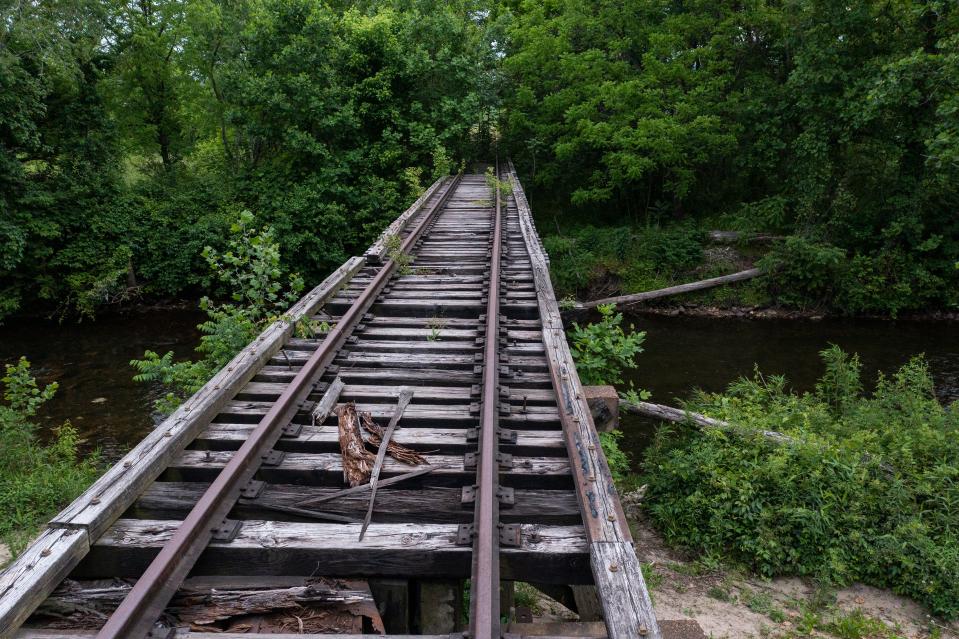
(147, 38)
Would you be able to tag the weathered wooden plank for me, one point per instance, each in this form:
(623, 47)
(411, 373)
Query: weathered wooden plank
(413, 360)
(320, 438)
(252, 411)
(210, 599)
(173, 500)
(437, 332)
(261, 391)
(37, 633)
(398, 376)
(627, 607)
(326, 469)
(26, 582)
(607, 530)
(550, 553)
(324, 407)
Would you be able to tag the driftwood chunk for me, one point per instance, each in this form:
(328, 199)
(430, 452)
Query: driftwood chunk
(394, 450)
(207, 606)
(357, 461)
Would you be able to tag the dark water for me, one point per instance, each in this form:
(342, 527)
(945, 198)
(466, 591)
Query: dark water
(97, 394)
(90, 362)
(683, 353)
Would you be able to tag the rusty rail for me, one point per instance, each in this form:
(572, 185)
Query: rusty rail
(138, 613)
(485, 583)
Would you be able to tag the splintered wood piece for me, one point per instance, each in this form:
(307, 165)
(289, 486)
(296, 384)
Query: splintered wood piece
(313, 514)
(406, 394)
(208, 601)
(357, 461)
(364, 487)
(397, 451)
(326, 404)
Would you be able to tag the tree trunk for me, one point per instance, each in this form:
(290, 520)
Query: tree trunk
(670, 414)
(672, 290)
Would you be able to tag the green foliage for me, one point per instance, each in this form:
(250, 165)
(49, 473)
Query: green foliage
(602, 350)
(57, 153)
(131, 133)
(343, 103)
(619, 464)
(251, 272)
(856, 625)
(505, 186)
(394, 252)
(865, 490)
(36, 479)
(804, 273)
(837, 123)
(633, 258)
(809, 274)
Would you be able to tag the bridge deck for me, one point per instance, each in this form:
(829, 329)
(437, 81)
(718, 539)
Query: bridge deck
(424, 331)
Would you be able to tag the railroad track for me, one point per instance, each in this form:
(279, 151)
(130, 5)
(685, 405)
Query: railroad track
(234, 514)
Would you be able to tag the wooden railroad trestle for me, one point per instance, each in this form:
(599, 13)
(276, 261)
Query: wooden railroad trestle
(515, 485)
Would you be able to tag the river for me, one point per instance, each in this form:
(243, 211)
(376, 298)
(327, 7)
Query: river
(683, 353)
(90, 361)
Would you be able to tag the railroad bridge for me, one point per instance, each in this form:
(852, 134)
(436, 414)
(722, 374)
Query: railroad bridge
(236, 515)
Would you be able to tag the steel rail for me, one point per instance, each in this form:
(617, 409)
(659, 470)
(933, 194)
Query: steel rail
(137, 614)
(485, 579)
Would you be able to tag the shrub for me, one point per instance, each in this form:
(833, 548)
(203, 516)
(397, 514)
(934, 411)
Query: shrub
(602, 350)
(36, 479)
(616, 457)
(804, 273)
(867, 488)
(635, 258)
(250, 270)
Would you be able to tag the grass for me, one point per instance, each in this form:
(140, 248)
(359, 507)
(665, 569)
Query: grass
(526, 596)
(36, 479)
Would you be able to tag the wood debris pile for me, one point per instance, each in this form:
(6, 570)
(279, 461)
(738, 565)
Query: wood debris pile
(357, 459)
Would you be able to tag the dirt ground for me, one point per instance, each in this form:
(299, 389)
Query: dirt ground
(727, 604)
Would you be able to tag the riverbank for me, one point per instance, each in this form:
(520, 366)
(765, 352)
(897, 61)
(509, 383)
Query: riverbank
(683, 309)
(801, 279)
(90, 361)
(732, 603)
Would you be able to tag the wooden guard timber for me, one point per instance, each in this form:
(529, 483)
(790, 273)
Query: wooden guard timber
(233, 516)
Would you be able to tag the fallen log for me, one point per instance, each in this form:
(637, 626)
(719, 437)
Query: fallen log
(733, 237)
(676, 415)
(670, 414)
(635, 298)
(357, 461)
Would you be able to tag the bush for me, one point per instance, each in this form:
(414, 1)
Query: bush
(636, 258)
(250, 270)
(36, 479)
(804, 273)
(619, 464)
(867, 489)
(602, 350)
